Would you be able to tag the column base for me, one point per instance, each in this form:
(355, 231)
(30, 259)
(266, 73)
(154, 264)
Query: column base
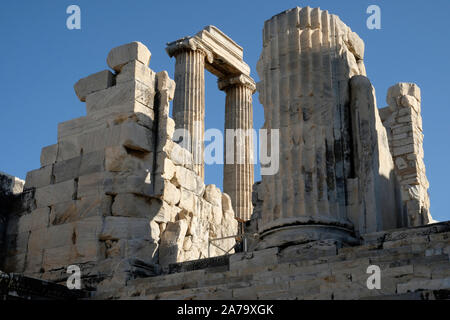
(299, 234)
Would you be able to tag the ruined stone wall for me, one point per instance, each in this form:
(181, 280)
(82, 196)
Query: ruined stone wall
(10, 204)
(115, 195)
(403, 121)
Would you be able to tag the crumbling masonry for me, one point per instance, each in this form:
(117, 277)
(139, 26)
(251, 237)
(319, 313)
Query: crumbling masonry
(124, 199)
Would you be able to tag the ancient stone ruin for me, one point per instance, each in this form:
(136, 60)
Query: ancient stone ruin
(121, 193)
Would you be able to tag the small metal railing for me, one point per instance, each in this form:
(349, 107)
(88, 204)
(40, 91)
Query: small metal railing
(241, 241)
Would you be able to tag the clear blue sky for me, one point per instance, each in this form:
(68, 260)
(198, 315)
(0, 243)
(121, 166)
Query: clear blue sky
(40, 60)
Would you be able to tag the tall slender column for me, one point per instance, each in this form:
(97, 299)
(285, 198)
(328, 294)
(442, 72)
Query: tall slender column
(189, 98)
(238, 175)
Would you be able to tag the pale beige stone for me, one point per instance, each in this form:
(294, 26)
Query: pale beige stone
(136, 70)
(131, 205)
(55, 193)
(125, 228)
(172, 241)
(125, 95)
(48, 155)
(74, 210)
(39, 178)
(165, 83)
(189, 180)
(123, 54)
(181, 156)
(171, 193)
(187, 200)
(213, 195)
(95, 82)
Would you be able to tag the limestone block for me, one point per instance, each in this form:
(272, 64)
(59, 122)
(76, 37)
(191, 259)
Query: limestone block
(165, 84)
(39, 178)
(138, 71)
(116, 228)
(187, 201)
(80, 253)
(181, 156)
(59, 235)
(410, 102)
(213, 195)
(129, 134)
(66, 170)
(136, 112)
(168, 171)
(143, 250)
(426, 284)
(68, 148)
(131, 205)
(160, 211)
(48, 155)
(166, 129)
(119, 159)
(217, 215)
(121, 55)
(171, 193)
(55, 193)
(402, 89)
(92, 162)
(123, 96)
(398, 151)
(79, 125)
(265, 257)
(74, 210)
(115, 157)
(95, 82)
(92, 184)
(189, 180)
(356, 45)
(135, 182)
(37, 241)
(40, 218)
(172, 241)
(87, 229)
(135, 137)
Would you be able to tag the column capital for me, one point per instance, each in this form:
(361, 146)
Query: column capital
(188, 44)
(240, 80)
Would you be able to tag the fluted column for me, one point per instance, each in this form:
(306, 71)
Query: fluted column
(238, 176)
(307, 60)
(189, 98)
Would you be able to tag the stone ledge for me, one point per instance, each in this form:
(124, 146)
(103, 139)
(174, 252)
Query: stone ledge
(18, 287)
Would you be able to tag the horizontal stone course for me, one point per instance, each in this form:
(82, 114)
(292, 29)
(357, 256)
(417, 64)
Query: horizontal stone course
(263, 275)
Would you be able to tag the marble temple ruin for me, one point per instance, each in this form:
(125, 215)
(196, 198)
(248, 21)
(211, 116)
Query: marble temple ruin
(121, 193)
